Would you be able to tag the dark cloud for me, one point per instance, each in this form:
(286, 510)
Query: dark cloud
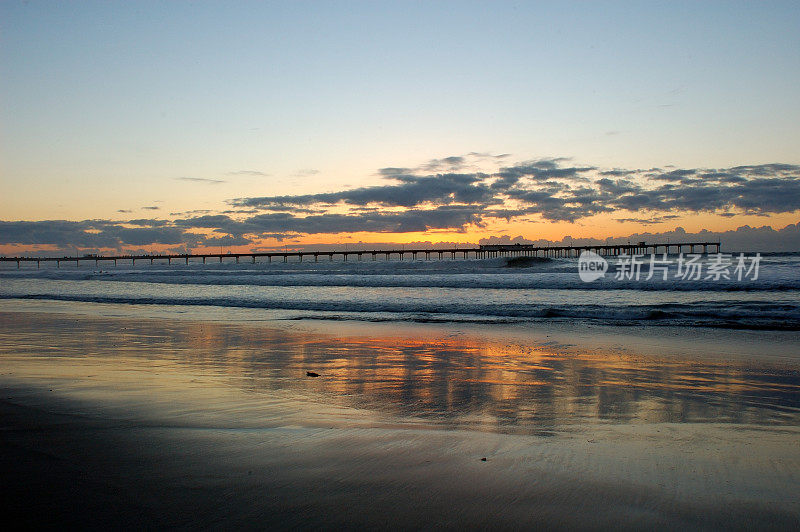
(91, 234)
(441, 189)
(766, 169)
(618, 172)
(206, 221)
(674, 175)
(411, 220)
(281, 208)
(718, 191)
(148, 222)
(395, 173)
(617, 187)
(557, 191)
(446, 164)
(152, 208)
(742, 239)
(543, 170)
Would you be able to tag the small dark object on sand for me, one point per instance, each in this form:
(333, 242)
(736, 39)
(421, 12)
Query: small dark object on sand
(483, 459)
(311, 374)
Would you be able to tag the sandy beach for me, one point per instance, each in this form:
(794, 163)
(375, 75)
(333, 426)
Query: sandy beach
(141, 420)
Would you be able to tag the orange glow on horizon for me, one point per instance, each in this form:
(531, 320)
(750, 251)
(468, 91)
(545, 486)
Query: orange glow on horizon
(599, 227)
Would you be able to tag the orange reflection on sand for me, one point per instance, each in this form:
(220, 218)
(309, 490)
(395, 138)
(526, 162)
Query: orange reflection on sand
(464, 379)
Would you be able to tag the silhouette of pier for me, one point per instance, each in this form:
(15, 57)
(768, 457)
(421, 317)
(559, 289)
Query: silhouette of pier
(480, 252)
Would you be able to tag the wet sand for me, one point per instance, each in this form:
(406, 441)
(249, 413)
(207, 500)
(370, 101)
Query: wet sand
(146, 421)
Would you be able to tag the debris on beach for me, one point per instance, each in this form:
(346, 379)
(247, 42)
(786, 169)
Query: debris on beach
(311, 374)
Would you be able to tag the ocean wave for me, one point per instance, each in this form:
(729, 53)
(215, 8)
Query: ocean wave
(473, 291)
(780, 281)
(729, 314)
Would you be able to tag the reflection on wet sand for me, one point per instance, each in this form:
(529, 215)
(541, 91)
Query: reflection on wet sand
(164, 423)
(458, 381)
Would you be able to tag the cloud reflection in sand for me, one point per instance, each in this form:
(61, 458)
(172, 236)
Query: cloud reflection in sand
(455, 381)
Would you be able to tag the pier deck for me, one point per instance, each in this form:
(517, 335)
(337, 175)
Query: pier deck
(481, 252)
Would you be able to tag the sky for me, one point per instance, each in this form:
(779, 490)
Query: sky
(192, 125)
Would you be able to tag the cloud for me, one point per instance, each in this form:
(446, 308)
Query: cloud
(650, 221)
(194, 211)
(413, 191)
(152, 208)
(146, 222)
(305, 172)
(280, 208)
(542, 170)
(420, 199)
(741, 239)
(97, 234)
(618, 172)
(447, 163)
(201, 180)
(674, 175)
(558, 191)
(91, 234)
(453, 163)
(249, 173)
(411, 220)
(486, 155)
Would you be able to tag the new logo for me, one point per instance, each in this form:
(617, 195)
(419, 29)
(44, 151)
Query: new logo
(591, 266)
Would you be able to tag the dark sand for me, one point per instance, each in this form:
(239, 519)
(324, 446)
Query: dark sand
(132, 422)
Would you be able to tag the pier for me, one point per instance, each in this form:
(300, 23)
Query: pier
(480, 252)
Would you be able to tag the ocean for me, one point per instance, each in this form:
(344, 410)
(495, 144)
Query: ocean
(765, 295)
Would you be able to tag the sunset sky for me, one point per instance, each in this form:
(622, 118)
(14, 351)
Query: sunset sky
(190, 125)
